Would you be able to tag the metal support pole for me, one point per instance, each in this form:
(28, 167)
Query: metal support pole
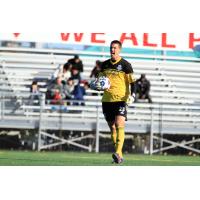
(151, 133)
(2, 107)
(161, 126)
(42, 103)
(97, 131)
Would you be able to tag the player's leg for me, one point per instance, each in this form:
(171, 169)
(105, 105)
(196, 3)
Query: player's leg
(120, 124)
(110, 118)
(113, 131)
(120, 118)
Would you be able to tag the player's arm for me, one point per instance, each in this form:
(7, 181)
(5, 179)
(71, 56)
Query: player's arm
(131, 80)
(131, 98)
(133, 88)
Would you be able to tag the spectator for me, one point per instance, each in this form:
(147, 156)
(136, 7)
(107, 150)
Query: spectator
(96, 69)
(142, 89)
(69, 89)
(75, 75)
(79, 92)
(65, 74)
(56, 91)
(34, 87)
(34, 90)
(76, 63)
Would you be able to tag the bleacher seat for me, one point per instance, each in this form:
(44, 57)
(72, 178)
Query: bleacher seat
(174, 83)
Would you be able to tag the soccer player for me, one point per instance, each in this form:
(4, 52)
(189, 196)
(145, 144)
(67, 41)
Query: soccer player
(115, 98)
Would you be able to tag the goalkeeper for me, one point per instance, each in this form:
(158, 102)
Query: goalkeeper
(116, 79)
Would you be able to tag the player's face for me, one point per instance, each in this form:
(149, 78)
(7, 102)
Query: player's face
(115, 51)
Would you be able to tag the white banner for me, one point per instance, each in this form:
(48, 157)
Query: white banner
(173, 41)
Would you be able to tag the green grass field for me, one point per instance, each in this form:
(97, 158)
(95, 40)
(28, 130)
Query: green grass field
(24, 158)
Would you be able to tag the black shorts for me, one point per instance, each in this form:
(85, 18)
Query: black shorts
(113, 109)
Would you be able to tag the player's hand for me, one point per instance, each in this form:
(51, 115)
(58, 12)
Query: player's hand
(131, 99)
(98, 86)
(94, 85)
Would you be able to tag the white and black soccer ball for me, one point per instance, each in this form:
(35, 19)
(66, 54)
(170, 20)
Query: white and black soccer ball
(102, 83)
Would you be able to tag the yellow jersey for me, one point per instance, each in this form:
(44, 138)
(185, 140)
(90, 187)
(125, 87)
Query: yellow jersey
(120, 73)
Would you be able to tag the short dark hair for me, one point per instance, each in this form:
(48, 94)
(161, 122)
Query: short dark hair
(34, 83)
(66, 66)
(98, 62)
(116, 42)
(70, 79)
(76, 56)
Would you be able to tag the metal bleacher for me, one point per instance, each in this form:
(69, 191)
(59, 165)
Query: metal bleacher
(175, 91)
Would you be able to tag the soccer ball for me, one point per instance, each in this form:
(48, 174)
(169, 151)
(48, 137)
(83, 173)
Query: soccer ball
(102, 83)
